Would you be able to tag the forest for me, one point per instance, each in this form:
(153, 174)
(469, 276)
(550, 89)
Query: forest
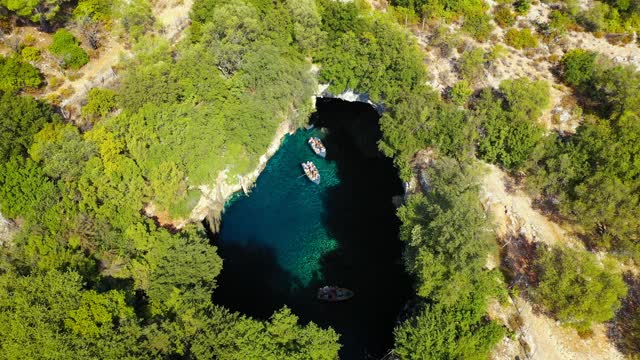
(89, 275)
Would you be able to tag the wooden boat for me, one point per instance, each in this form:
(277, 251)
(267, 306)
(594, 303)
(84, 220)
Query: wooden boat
(317, 146)
(334, 293)
(311, 171)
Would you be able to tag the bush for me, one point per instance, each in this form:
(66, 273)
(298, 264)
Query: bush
(576, 289)
(504, 17)
(522, 6)
(578, 67)
(478, 25)
(471, 65)
(65, 47)
(509, 130)
(520, 39)
(16, 75)
(559, 23)
(30, 53)
(460, 92)
(100, 102)
(526, 98)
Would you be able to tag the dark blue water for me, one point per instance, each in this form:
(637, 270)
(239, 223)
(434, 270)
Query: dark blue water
(290, 236)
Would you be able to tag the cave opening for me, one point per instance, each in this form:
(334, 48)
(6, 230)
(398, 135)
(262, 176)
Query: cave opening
(289, 236)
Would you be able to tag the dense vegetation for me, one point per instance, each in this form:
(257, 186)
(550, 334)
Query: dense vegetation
(89, 276)
(576, 289)
(476, 22)
(601, 160)
(17, 75)
(447, 244)
(617, 17)
(508, 121)
(65, 46)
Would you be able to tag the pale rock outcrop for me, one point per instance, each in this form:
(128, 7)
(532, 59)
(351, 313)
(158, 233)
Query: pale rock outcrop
(348, 95)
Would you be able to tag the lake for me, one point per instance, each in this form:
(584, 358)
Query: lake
(289, 236)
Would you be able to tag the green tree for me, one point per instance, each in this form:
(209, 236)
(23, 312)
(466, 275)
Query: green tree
(16, 75)
(24, 189)
(508, 128)
(66, 47)
(181, 267)
(40, 11)
(447, 241)
(578, 67)
(61, 150)
(100, 102)
(306, 26)
(576, 289)
(136, 18)
(442, 332)
(231, 336)
(22, 117)
(526, 99)
(48, 315)
(478, 25)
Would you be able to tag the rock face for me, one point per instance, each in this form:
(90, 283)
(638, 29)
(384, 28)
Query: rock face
(7, 228)
(214, 196)
(348, 95)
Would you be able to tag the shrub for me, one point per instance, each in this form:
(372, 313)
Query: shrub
(66, 47)
(100, 102)
(16, 75)
(504, 17)
(471, 65)
(478, 25)
(509, 130)
(559, 23)
(30, 53)
(576, 289)
(445, 41)
(498, 51)
(460, 92)
(520, 39)
(578, 67)
(522, 6)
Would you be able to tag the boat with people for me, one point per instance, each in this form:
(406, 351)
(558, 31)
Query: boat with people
(334, 293)
(311, 171)
(317, 146)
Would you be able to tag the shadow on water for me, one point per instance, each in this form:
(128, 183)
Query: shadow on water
(359, 215)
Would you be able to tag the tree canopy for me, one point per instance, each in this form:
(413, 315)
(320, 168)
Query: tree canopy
(16, 75)
(576, 289)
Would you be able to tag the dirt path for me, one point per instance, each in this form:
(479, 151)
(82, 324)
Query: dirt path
(98, 72)
(513, 211)
(173, 15)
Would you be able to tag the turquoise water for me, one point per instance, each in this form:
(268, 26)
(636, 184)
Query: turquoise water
(289, 236)
(285, 210)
